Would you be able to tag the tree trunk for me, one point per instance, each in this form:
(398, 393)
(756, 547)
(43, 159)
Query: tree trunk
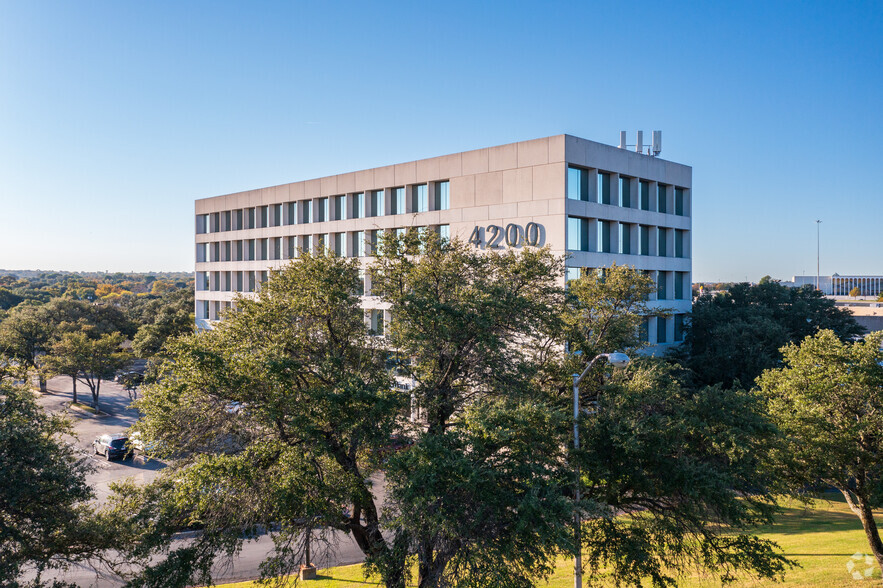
(42, 380)
(74, 381)
(859, 506)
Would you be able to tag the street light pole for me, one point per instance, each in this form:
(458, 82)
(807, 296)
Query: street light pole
(818, 252)
(616, 360)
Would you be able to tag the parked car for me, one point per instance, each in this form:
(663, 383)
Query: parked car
(112, 446)
(130, 379)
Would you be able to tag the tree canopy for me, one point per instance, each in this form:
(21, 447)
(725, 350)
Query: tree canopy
(46, 522)
(828, 402)
(734, 335)
(282, 418)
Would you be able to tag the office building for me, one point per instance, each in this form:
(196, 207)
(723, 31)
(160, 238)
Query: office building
(596, 203)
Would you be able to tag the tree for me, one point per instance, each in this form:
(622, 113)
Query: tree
(474, 502)
(89, 359)
(672, 475)
(281, 418)
(735, 335)
(855, 292)
(25, 336)
(828, 401)
(276, 414)
(45, 520)
(172, 318)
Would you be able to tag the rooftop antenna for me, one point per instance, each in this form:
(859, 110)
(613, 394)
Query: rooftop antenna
(653, 150)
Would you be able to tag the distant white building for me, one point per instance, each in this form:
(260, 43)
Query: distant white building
(838, 285)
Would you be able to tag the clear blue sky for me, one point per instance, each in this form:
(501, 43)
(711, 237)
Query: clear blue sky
(116, 115)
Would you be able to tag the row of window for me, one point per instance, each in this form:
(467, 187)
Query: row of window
(375, 319)
(605, 188)
(662, 324)
(603, 236)
(374, 203)
(670, 285)
(214, 309)
(349, 244)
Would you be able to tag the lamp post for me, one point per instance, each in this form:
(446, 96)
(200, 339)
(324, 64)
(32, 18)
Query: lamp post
(616, 360)
(818, 252)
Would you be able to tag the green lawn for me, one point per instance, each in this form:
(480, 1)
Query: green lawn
(822, 539)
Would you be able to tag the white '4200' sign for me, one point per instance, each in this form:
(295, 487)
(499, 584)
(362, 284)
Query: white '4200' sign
(512, 235)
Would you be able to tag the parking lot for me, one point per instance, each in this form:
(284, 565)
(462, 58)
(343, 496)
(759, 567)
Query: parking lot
(117, 417)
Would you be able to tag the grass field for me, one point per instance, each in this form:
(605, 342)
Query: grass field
(822, 539)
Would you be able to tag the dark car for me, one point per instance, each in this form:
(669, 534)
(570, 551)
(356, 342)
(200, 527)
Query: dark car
(130, 379)
(112, 446)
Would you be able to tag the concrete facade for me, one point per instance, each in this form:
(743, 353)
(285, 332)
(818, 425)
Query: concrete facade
(597, 203)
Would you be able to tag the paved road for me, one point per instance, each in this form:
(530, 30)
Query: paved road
(115, 402)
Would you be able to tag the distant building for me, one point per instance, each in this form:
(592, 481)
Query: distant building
(838, 285)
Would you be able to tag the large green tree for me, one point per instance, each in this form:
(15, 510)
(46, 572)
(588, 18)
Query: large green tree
(46, 522)
(281, 419)
(87, 358)
(734, 335)
(672, 475)
(25, 337)
(473, 501)
(275, 416)
(828, 402)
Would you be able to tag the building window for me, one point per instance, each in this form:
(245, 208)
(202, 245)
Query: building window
(340, 208)
(680, 279)
(264, 216)
(644, 239)
(444, 232)
(679, 243)
(292, 247)
(645, 194)
(322, 210)
(215, 222)
(421, 198)
(291, 217)
(577, 233)
(660, 329)
(443, 195)
(249, 218)
(662, 242)
(200, 252)
(625, 192)
(604, 236)
(277, 247)
(359, 205)
(644, 331)
(238, 281)
(201, 281)
(237, 219)
(398, 201)
(264, 247)
(661, 291)
(572, 273)
(578, 184)
(307, 211)
(277, 215)
(376, 320)
(603, 188)
(679, 202)
(625, 238)
(662, 198)
(216, 251)
(359, 244)
(201, 224)
(377, 203)
(225, 221)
